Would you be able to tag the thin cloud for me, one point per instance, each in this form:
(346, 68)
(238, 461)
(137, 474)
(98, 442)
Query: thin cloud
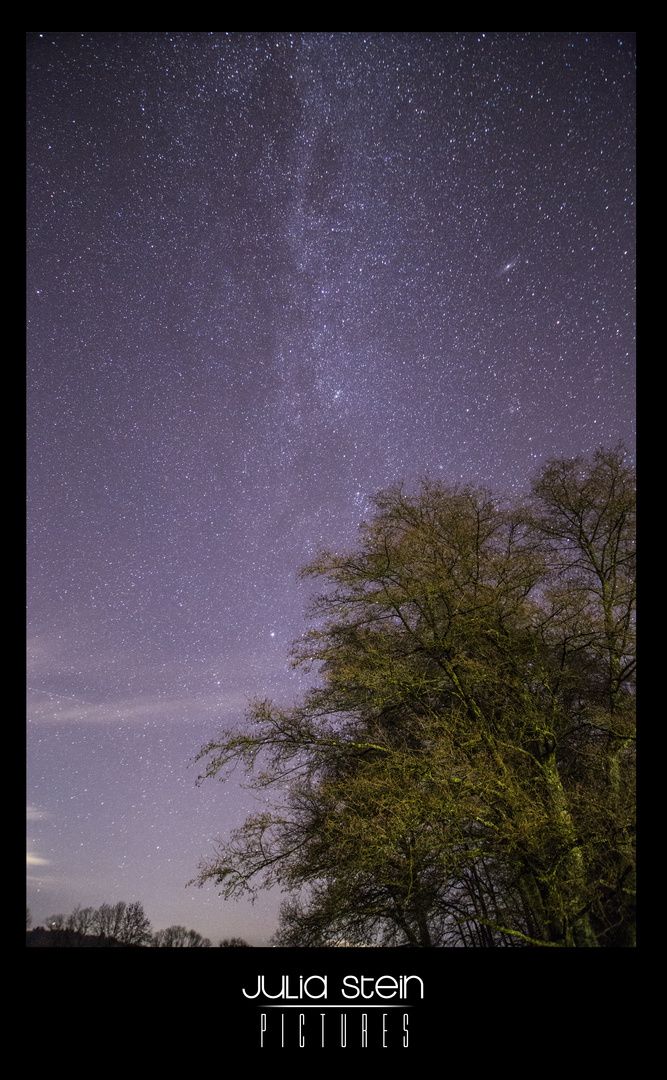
(49, 708)
(36, 860)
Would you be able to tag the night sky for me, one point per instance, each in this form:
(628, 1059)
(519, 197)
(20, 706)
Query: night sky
(268, 275)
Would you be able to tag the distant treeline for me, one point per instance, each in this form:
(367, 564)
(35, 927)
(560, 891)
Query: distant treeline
(40, 938)
(121, 925)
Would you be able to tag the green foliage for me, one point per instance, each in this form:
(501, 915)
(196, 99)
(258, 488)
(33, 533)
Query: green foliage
(462, 772)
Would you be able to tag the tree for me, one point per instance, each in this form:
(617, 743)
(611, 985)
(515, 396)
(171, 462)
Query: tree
(233, 943)
(107, 919)
(462, 774)
(81, 920)
(586, 512)
(135, 928)
(126, 923)
(178, 937)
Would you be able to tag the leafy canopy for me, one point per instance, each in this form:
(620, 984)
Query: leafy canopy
(462, 771)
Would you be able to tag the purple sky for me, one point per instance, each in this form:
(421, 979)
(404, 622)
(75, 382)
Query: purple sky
(268, 275)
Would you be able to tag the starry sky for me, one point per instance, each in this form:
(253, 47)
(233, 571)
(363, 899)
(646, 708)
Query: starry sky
(270, 274)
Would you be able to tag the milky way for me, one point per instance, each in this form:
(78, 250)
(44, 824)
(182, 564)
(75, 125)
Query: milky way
(268, 275)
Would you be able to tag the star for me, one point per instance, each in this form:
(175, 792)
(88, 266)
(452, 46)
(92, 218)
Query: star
(263, 286)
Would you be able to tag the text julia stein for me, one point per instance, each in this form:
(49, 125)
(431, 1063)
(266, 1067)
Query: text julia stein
(315, 987)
